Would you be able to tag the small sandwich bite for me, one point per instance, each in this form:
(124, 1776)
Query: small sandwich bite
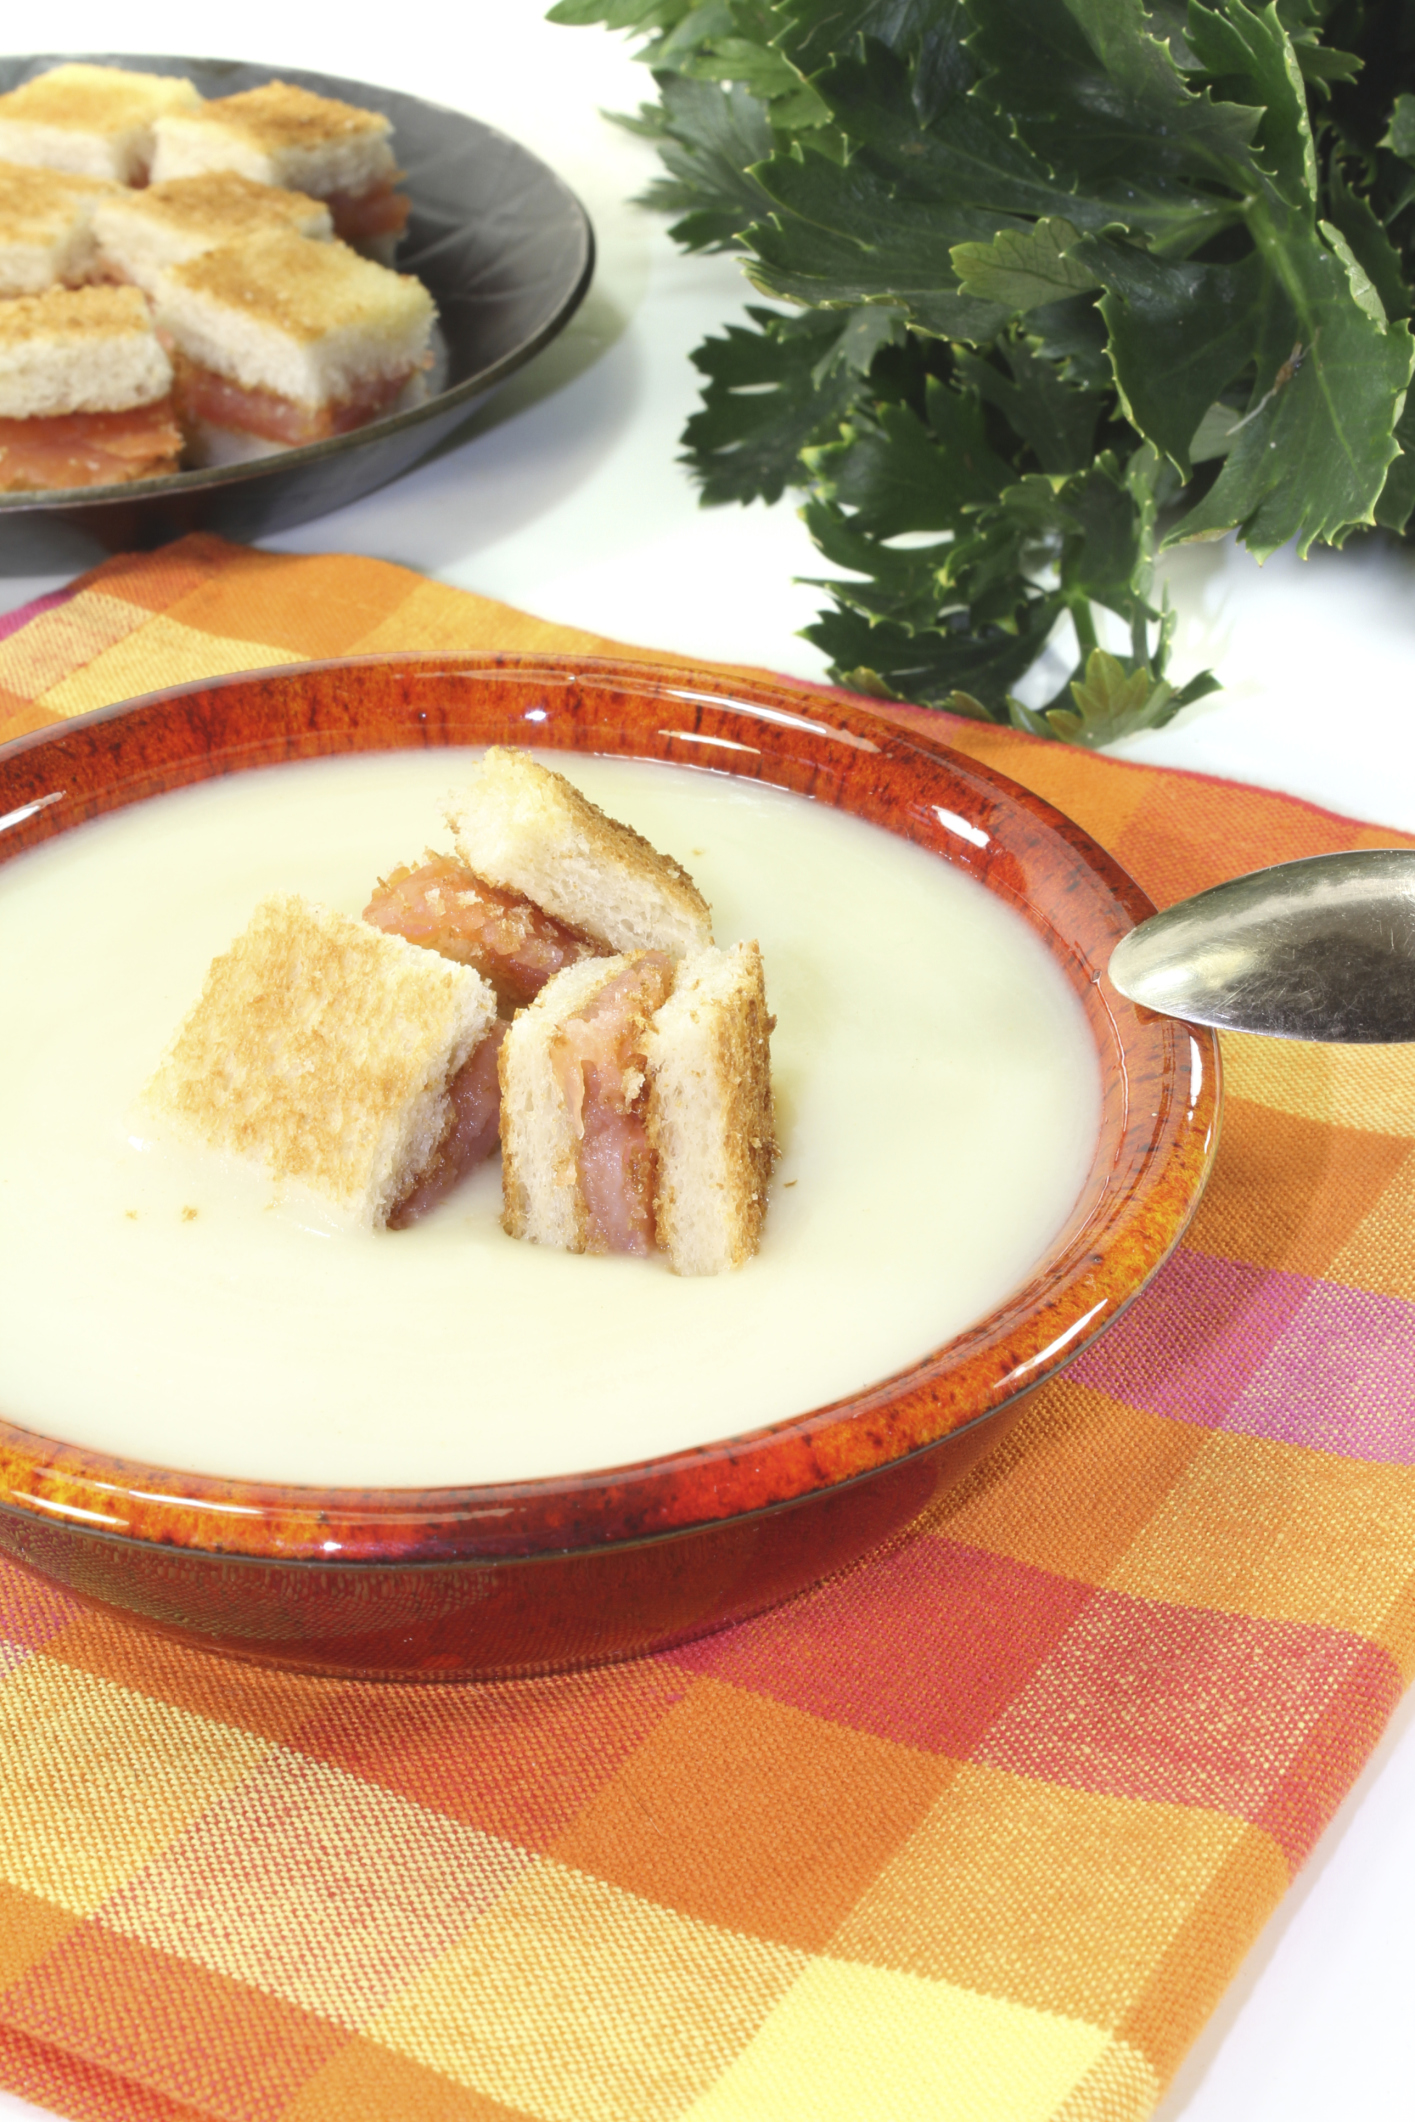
(279, 341)
(141, 235)
(541, 880)
(284, 135)
(347, 1063)
(85, 391)
(46, 228)
(521, 825)
(636, 1109)
(94, 120)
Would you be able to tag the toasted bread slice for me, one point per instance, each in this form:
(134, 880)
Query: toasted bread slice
(706, 1110)
(540, 1189)
(46, 227)
(710, 1111)
(94, 120)
(526, 828)
(79, 350)
(323, 1049)
(279, 134)
(307, 322)
(142, 235)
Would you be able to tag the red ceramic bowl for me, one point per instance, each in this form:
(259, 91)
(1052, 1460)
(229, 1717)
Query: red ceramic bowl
(548, 1573)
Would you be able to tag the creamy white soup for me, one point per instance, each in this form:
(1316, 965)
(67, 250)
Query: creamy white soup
(938, 1102)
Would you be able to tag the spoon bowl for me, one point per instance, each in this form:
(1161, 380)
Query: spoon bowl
(1318, 949)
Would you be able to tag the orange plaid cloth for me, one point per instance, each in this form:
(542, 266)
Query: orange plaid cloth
(980, 1829)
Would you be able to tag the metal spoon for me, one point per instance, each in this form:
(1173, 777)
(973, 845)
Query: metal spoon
(1319, 949)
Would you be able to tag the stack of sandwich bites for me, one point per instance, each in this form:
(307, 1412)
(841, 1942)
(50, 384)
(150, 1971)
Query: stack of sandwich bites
(230, 227)
(554, 985)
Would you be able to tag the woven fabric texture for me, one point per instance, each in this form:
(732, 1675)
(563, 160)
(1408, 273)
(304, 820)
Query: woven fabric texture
(976, 1833)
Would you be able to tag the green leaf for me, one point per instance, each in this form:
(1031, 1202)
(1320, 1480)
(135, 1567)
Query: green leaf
(714, 135)
(1024, 268)
(1396, 505)
(1312, 456)
(1112, 700)
(931, 665)
(1180, 334)
(1055, 418)
(1368, 241)
(1096, 93)
(1400, 135)
(771, 392)
(898, 474)
(843, 237)
(1254, 55)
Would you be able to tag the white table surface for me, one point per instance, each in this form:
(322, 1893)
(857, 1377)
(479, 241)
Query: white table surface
(566, 500)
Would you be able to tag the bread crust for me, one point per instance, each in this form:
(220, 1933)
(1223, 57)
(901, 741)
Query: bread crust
(73, 350)
(46, 227)
(323, 1048)
(94, 120)
(307, 321)
(279, 134)
(521, 825)
(710, 1115)
(144, 234)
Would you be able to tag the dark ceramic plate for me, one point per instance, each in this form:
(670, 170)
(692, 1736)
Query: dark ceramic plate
(527, 1576)
(504, 248)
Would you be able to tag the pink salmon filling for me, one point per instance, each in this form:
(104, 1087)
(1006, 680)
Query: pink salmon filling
(472, 1133)
(601, 1065)
(513, 942)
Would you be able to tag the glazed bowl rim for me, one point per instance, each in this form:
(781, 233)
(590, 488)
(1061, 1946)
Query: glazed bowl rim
(1009, 1352)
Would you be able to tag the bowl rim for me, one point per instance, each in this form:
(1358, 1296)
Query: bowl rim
(829, 744)
(463, 395)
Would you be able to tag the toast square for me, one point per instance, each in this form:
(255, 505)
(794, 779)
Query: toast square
(521, 825)
(323, 1048)
(279, 134)
(710, 1117)
(46, 227)
(144, 234)
(79, 350)
(94, 120)
(311, 322)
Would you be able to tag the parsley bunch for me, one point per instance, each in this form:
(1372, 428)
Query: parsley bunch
(1065, 282)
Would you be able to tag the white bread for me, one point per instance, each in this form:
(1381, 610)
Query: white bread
(323, 1048)
(542, 1198)
(46, 227)
(94, 120)
(710, 1111)
(79, 350)
(708, 1121)
(524, 827)
(279, 134)
(307, 321)
(143, 234)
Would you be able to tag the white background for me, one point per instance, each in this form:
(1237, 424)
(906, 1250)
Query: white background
(566, 499)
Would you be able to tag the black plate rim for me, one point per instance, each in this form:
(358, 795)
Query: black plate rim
(205, 478)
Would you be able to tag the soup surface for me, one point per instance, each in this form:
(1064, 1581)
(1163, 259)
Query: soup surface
(938, 1100)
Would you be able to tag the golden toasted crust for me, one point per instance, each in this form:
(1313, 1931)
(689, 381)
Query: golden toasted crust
(710, 1117)
(73, 314)
(222, 202)
(94, 99)
(304, 290)
(280, 116)
(323, 1047)
(35, 202)
(522, 825)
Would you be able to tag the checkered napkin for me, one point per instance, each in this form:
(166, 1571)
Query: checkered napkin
(977, 1832)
